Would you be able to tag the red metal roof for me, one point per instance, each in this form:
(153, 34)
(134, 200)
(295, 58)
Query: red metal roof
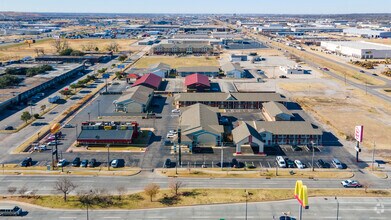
(149, 79)
(132, 76)
(198, 79)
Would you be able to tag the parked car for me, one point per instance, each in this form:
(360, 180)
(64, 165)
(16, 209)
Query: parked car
(374, 74)
(117, 163)
(176, 110)
(8, 128)
(168, 163)
(351, 184)
(281, 162)
(62, 163)
(325, 69)
(289, 163)
(84, 163)
(170, 135)
(323, 164)
(337, 163)
(299, 164)
(92, 163)
(41, 147)
(235, 163)
(68, 126)
(76, 162)
(362, 71)
(53, 143)
(27, 162)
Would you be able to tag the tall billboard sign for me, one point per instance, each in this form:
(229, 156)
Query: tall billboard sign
(358, 133)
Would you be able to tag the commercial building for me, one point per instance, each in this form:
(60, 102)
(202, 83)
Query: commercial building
(107, 133)
(227, 100)
(233, 70)
(74, 59)
(316, 29)
(274, 111)
(200, 126)
(149, 80)
(182, 49)
(134, 100)
(368, 33)
(287, 132)
(197, 83)
(37, 84)
(210, 71)
(246, 135)
(358, 49)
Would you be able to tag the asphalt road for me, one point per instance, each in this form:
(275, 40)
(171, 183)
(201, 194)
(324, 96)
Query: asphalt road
(45, 185)
(319, 208)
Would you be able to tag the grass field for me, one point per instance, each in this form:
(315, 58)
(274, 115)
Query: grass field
(165, 198)
(17, 51)
(175, 62)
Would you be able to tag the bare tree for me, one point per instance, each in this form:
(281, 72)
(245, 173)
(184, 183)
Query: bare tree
(175, 186)
(36, 50)
(22, 191)
(64, 185)
(121, 190)
(43, 107)
(151, 190)
(88, 47)
(113, 47)
(60, 45)
(12, 190)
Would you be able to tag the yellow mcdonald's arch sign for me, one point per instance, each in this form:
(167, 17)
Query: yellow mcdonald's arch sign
(301, 194)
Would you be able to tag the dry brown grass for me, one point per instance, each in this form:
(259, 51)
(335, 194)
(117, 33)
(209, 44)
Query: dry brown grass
(187, 197)
(176, 62)
(22, 50)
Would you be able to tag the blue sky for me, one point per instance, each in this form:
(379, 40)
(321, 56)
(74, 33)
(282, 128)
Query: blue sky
(200, 6)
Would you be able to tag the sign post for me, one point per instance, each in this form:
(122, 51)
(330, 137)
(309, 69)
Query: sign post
(358, 135)
(54, 130)
(301, 196)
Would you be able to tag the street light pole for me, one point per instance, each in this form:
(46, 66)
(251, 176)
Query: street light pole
(246, 201)
(373, 156)
(336, 199)
(313, 154)
(89, 116)
(108, 157)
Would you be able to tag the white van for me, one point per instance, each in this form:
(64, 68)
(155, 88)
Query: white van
(281, 162)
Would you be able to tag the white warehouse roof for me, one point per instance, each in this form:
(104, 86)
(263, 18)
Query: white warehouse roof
(362, 45)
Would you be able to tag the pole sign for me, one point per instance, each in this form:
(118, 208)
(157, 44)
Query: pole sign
(120, 66)
(358, 133)
(106, 76)
(301, 194)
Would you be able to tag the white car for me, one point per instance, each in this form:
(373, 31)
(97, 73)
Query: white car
(68, 126)
(52, 143)
(62, 163)
(177, 110)
(299, 164)
(169, 135)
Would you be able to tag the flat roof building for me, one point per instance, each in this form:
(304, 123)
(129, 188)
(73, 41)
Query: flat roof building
(210, 71)
(358, 49)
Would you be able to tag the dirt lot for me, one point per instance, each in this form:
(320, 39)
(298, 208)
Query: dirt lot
(342, 108)
(18, 51)
(175, 62)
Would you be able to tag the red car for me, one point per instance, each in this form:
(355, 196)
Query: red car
(325, 69)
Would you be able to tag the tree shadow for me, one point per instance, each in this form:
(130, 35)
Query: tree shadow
(169, 200)
(192, 193)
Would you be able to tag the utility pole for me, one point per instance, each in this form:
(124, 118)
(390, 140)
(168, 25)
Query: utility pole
(246, 201)
(373, 156)
(179, 146)
(222, 155)
(89, 116)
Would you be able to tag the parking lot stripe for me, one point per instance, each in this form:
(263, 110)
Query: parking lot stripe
(269, 164)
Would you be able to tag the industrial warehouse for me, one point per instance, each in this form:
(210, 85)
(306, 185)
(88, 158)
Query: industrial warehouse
(358, 49)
